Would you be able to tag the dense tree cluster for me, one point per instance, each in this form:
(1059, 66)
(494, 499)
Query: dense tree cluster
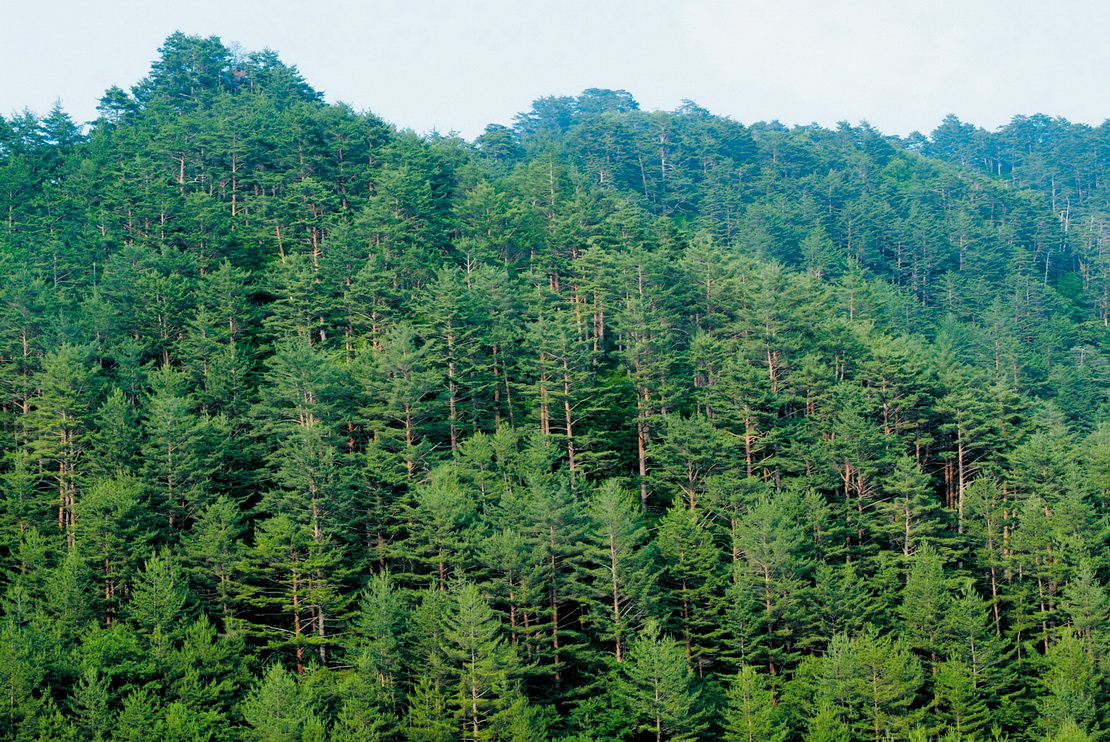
(610, 425)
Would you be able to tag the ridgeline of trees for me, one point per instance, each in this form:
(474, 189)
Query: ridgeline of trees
(610, 425)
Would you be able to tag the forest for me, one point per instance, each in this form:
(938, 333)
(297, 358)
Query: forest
(609, 425)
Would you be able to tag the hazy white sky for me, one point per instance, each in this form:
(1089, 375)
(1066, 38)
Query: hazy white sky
(460, 64)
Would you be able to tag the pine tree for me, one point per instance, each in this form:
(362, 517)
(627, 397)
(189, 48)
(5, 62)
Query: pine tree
(179, 723)
(429, 718)
(563, 365)
(379, 644)
(1073, 686)
(218, 341)
(301, 411)
(360, 725)
(873, 681)
(438, 519)
(769, 579)
(138, 719)
(973, 649)
(693, 583)
(658, 688)
(70, 597)
(111, 534)
(959, 702)
(457, 328)
(828, 725)
(58, 426)
(21, 673)
(157, 605)
(116, 439)
(925, 600)
(214, 554)
(977, 421)
(750, 714)
(91, 696)
(913, 517)
(278, 708)
(507, 560)
(1086, 606)
(22, 502)
(297, 587)
(622, 575)
(690, 452)
(645, 328)
(207, 675)
(399, 382)
(179, 453)
(303, 312)
(553, 527)
(483, 668)
(990, 523)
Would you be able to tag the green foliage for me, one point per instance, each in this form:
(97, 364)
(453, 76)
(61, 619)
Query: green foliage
(657, 687)
(750, 714)
(482, 667)
(692, 581)
(619, 564)
(873, 681)
(283, 387)
(157, 605)
(280, 709)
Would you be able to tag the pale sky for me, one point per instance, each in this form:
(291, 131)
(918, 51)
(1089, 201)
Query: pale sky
(460, 64)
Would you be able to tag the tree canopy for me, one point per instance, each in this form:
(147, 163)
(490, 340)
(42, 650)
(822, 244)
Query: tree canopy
(612, 424)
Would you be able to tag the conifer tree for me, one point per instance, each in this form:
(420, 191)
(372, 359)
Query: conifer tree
(438, 520)
(959, 702)
(279, 709)
(379, 652)
(301, 411)
(483, 668)
(57, 425)
(214, 556)
(692, 579)
(1086, 606)
(179, 451)
(91, 697)
(925, 600)
(113, 529)
(690, 452)
(429, 719)
(1073, 686)
(622, 574)
(913, 517)
(553, 528)
(872, 680)
(21, 672)
(768, 579)
(157, 604)
(208, 673)
(750, 714)
(115, 443)
(138, 719)
(658, 688)
(297, 580)
(645, 328)
(259, 352)
(399, 382)
(218, 340)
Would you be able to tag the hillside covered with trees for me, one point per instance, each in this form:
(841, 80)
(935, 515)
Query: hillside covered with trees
(608, 425)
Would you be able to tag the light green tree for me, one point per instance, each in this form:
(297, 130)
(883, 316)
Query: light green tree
(750, 714)
(659, 689)
(873, 680)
